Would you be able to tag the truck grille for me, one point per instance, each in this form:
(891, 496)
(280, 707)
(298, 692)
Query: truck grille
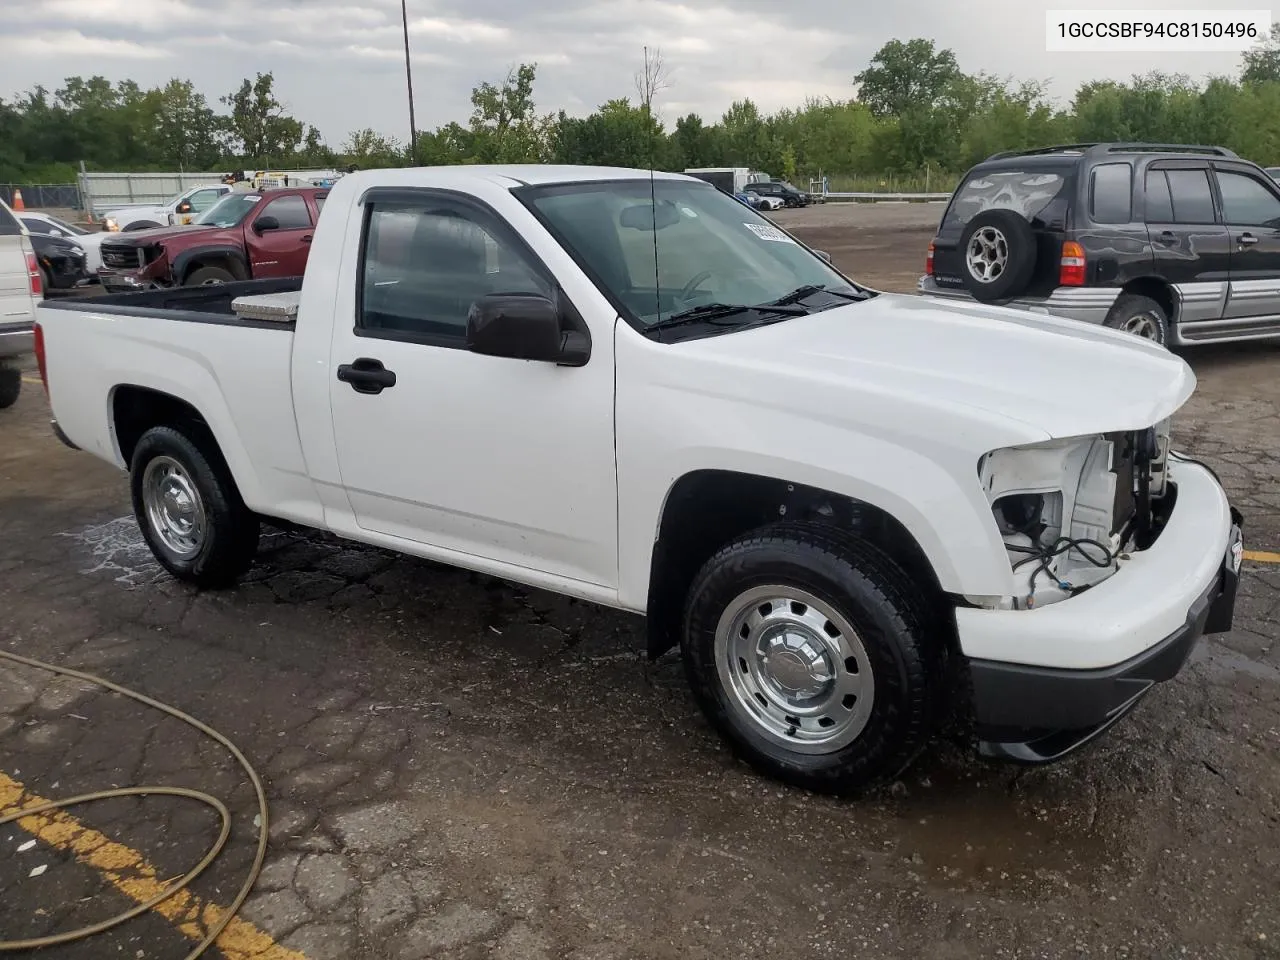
(121, 258)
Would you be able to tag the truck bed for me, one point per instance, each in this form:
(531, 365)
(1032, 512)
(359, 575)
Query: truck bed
(204, 304)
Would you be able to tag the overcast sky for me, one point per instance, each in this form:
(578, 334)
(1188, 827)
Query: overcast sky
(339, 63)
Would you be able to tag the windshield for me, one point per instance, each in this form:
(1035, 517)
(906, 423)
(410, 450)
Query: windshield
(229, 211)
(708, 248)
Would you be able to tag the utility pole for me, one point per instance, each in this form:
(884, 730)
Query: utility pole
(408, 76)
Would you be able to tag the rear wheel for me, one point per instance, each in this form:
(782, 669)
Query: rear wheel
(1141, 316)
(207, 276)
(810, 654)
(10, 386)
(189, 509)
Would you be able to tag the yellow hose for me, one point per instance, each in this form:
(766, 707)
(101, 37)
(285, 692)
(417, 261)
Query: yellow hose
(216, 930)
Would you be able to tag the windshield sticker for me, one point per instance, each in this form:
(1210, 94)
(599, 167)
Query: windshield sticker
(765, 232)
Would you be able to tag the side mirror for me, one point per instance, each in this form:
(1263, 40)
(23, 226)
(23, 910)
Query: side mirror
(523, 326)
(824, 255)
(184, 206)
(263, 224)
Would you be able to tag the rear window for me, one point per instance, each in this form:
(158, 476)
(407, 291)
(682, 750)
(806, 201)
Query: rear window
(1026, 191)
(8, 224)
(1111, 193)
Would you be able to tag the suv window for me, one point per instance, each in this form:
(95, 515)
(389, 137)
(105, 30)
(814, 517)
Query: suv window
(35, 225)
(1111, 193)
(1245, 201)
(425, 263)
(1192, 199)
(1027, 191)
(9, 226)
(1159, 203)
(290, 211)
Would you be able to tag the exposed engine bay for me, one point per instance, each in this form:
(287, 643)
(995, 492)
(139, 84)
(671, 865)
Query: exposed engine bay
(1071, 511)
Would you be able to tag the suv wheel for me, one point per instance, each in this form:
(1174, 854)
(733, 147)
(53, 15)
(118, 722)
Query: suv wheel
(1141, 316)
(998, 251)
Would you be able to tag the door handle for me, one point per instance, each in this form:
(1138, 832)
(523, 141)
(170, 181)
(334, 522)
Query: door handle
(307, 238)
(366, 375)
(1247, 238)
(1166, 236)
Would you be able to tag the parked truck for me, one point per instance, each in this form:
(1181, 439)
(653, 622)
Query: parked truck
(731, 180)
(850, 510)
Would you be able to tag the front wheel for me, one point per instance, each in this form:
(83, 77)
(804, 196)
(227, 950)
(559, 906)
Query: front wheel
(810, 654)
(189, 509)
(208, 276)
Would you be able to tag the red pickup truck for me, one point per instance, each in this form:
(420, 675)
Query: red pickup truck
(244, 236)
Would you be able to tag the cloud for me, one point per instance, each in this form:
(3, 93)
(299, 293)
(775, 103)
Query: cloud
(338, 64)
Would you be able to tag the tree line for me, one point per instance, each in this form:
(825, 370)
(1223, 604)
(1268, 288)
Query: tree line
(913, 116)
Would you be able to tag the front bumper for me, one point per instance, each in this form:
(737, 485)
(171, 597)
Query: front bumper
(1069, 670)
(1086, 304)
(114, 281)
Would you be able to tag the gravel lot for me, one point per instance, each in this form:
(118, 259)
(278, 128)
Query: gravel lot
(462, 768)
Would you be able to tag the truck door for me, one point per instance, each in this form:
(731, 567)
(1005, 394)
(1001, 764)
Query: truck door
(1191, 248)
(1251, 213)
(509, 460)
(278, 237)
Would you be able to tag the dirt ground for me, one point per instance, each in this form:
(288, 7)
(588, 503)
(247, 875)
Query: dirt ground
(461, 768)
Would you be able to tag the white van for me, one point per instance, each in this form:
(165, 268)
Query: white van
(20, 288)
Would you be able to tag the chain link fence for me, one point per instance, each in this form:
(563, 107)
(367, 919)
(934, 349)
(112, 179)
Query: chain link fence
(37, 196)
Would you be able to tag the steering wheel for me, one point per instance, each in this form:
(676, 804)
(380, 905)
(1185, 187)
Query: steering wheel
(687, 290)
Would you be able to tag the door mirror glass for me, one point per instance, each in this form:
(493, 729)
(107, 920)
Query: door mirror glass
(263, 224)
(184, 206)
(523, 326)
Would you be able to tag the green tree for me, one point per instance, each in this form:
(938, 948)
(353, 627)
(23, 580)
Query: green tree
(369, 149)
(505, 127)
(258, 122)
(1261, 63)
(907, 75)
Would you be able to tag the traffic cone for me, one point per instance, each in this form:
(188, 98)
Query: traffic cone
(17, 200)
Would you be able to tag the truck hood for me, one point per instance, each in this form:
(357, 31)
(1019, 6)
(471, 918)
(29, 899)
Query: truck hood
(1049, 376)
(178, 236)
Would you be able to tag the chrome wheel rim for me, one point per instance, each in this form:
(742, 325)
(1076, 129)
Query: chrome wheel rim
(1142, 325)
(174, 508)
(794, 669)
(987, 254)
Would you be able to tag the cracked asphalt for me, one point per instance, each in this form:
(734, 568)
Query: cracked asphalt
(460, 768)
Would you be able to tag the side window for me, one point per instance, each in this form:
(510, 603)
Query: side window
(320, 204)
(290, 211)
(37, 226)
(9, 226)
(425, 263)
(1159, 202)
(1247, 202)
(1111, 193)
(202, 200)
(1192, 200)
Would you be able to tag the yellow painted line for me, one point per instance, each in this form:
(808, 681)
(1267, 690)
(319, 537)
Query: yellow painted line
(1262, 556)
(36, 380)
(129, 872)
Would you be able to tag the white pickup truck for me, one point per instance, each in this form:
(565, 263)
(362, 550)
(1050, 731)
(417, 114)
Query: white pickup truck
(851, 510)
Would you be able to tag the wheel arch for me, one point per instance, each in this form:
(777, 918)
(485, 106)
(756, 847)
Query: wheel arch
(705, 509)
(229, 257)
(1154, 288)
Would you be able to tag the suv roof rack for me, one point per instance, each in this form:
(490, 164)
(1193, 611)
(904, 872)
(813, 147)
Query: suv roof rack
(1118, 147)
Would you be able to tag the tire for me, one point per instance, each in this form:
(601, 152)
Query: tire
(204, 534)
(208, 275)
(1006, 246)
(1141, 316)
(10, 386)
(875, 719)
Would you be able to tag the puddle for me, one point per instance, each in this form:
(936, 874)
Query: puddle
(976, 827)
